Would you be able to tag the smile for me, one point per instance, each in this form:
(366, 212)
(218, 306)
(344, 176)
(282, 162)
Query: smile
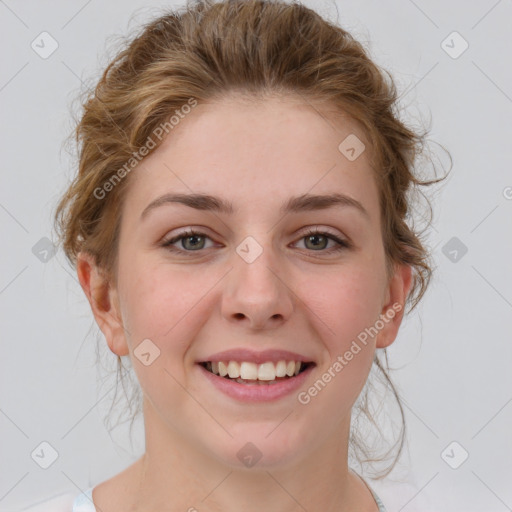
(246, 381)
(245, 372)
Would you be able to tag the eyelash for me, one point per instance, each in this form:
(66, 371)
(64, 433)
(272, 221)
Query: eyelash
(342, 244)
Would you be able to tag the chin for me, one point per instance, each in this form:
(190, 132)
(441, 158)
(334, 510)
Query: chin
(261, 447)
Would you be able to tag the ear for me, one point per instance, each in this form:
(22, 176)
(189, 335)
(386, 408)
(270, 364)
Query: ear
(394, 304)
(104, 302)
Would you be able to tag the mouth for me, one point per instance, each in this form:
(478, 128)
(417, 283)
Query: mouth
(263, 374)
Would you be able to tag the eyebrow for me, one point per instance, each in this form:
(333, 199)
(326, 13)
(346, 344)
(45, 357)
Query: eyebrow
(304, 202)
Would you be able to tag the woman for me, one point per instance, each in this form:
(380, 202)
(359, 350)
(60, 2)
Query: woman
(238, 225)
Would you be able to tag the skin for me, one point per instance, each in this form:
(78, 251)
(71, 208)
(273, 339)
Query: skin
(294, 296)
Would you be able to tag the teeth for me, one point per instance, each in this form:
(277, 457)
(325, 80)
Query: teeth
(268, 371)
(223, 369)
(281, 369)
(233, 370)
(248, 371)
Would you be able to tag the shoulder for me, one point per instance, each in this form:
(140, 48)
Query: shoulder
(60, 503)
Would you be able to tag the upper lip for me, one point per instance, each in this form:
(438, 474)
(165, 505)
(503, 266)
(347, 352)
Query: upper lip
(251, 356)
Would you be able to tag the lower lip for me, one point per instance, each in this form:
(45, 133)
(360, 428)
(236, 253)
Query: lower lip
(257, 392)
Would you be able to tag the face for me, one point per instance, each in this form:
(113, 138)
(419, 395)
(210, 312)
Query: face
(253, 285)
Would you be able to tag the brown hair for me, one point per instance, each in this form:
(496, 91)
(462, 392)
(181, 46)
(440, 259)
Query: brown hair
(205, 51)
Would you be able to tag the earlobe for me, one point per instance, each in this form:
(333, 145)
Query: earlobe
(393, 311)
(102, 298)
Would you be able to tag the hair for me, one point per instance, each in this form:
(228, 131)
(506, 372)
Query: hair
(257, 48)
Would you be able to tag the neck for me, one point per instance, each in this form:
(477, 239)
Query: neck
(175, 472)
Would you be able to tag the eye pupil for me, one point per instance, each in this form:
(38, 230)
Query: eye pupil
(192, 237)
(314, 239)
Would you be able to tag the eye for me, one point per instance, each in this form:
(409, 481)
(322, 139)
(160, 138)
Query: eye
(190, 241)
(317, 240)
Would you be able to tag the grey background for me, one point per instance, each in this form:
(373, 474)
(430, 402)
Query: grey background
(453, 355)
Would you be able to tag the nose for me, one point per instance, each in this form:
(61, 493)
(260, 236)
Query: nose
(256, 294)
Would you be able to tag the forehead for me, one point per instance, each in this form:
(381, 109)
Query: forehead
(258, 151)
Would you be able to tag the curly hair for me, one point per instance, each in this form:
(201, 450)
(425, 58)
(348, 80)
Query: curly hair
(207, 50)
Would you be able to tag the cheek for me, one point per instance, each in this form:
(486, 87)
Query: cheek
(345, 308)
(156, 299)
(346, 303)
(167, 304)
(160, 305)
